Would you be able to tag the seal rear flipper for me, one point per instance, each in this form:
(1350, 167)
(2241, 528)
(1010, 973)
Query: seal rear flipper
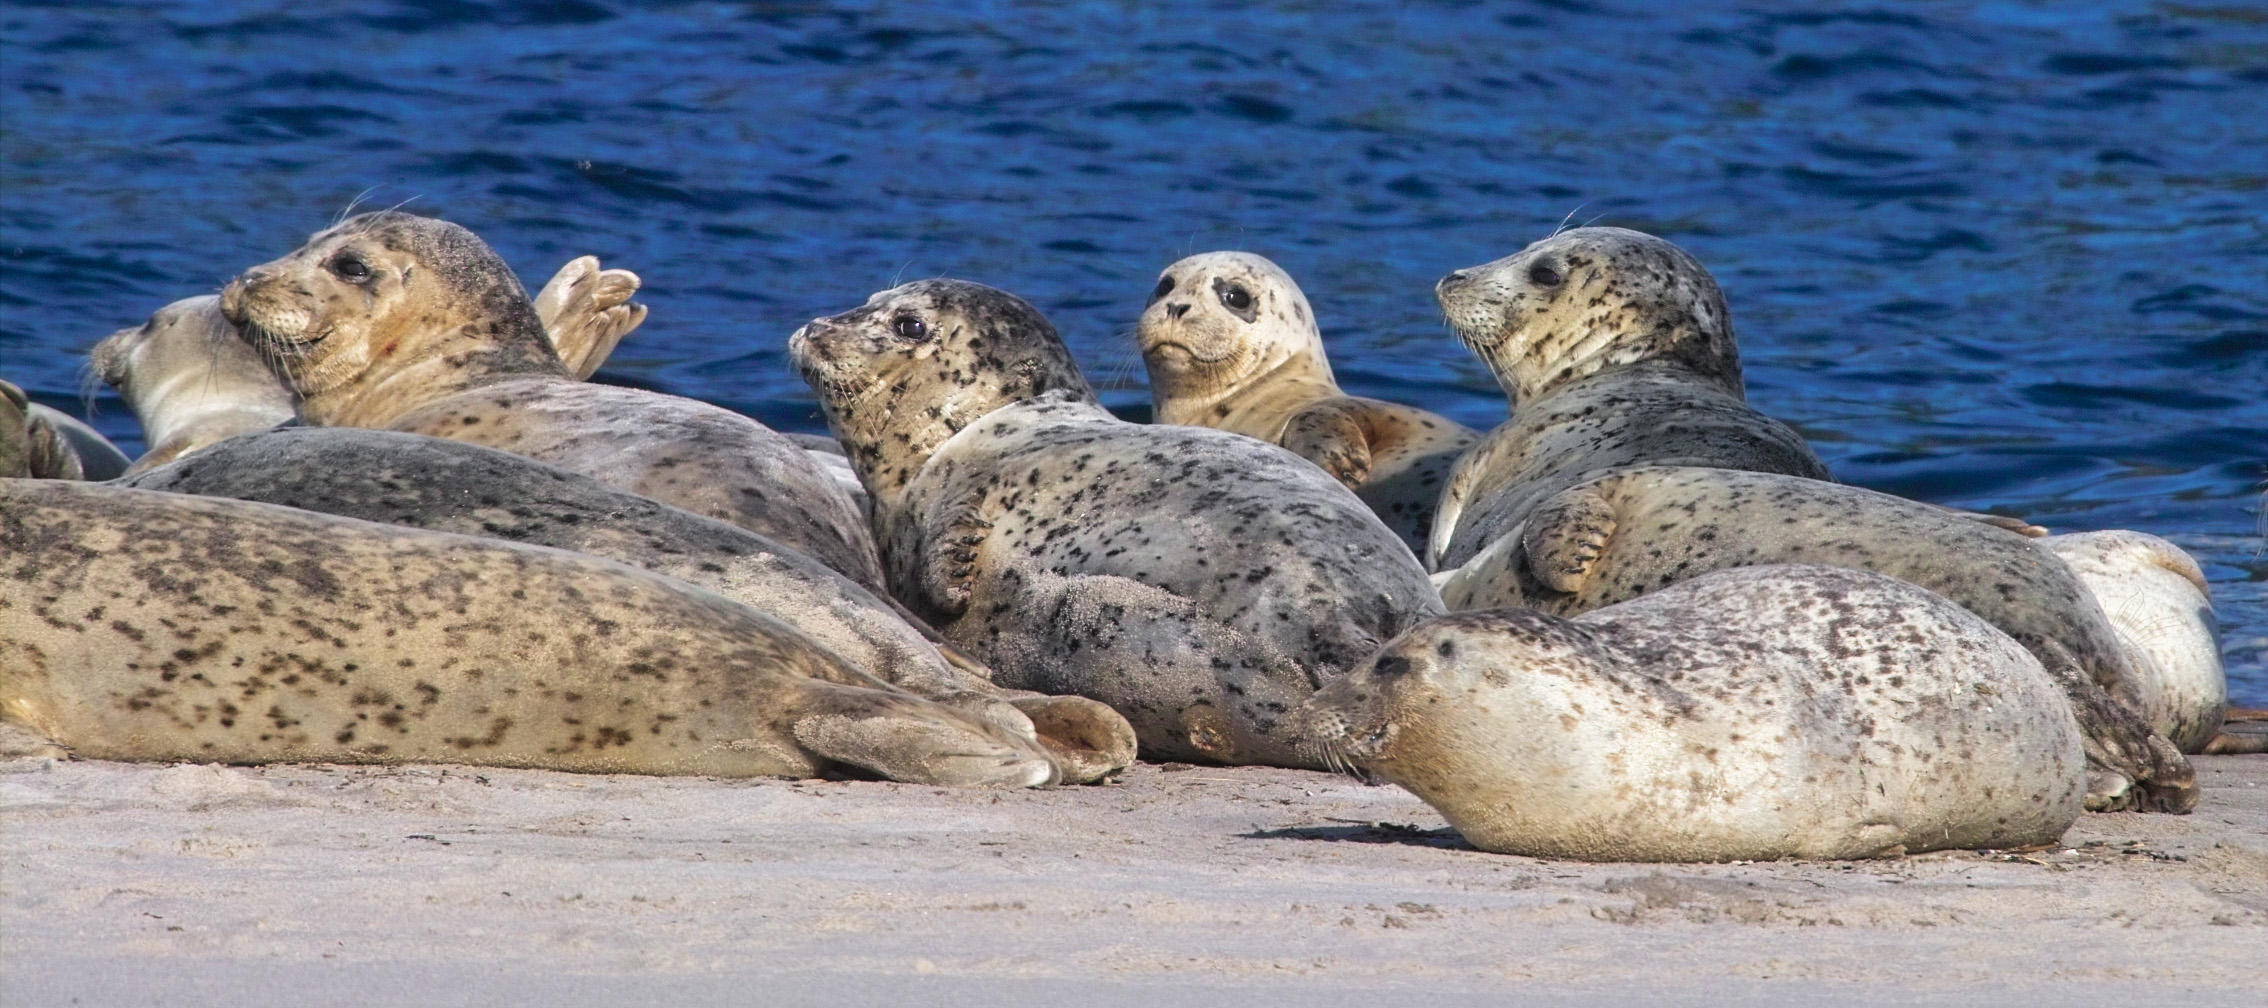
(1329, 435)
(586, 311)
(2130, 765)
(905, 738)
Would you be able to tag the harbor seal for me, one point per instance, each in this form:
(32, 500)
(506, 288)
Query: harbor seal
(449, 486)
(193, 381)
(145, 626)
(2158, 600)
(41, 442)
(1616, 349)
(1230, 343)
(1200, 582)
(1750, 714)
(398, 322)
(1632, 531)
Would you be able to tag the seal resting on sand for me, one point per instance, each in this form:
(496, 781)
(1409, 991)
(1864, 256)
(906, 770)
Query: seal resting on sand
(146, 626)
(1199, 582)
(1758, 713)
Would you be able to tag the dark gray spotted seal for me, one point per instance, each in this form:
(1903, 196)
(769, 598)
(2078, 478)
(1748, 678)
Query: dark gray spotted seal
(1200, 582)
(1231, 343)
(449, 486)
(1766, 712)
(145, 626)
(398, 322)
(1633, 531)
(1616, 349)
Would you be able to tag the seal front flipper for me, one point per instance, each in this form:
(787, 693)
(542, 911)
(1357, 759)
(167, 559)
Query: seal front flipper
(905, 738)
(1331, 436)
(948, 553)
(2016, 525)
(586, 311)
(1566, 535)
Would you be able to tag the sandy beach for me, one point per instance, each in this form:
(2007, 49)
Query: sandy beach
(325, 885)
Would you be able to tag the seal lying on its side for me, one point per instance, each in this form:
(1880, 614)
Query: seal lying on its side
(193, 381)
(1230, 343)
(408, 323)
(2157, 599)
(1200, 582)
(1766, 712)
(1616, 349)
(1633, 531)
(449, 486)
(137, 625)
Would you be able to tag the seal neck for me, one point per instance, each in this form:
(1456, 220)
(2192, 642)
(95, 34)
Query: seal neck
(1272, 394)
(1525, 383)
(390, 389)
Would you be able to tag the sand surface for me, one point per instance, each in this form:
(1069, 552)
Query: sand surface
(433, 886)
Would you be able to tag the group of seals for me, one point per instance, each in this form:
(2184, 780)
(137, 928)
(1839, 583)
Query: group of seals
(407, 323)
(1230, 343)
(1200, 582)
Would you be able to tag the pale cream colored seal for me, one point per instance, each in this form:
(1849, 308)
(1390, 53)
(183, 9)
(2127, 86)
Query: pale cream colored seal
(1231, 343)
(1756, 713)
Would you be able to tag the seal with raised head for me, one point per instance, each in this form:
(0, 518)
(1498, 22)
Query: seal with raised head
(2158, 600)
(449, 486)
(407, 323)
(1615, 349)
(145, 626)
(1230, 343)
(1751, 714)
(192, 380)
(1200, 582)
(1618, 536)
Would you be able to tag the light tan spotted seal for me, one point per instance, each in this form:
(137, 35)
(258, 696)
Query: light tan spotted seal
(1230, 343)
(145, 626)
(1199, 582)
(1757, 713)
(407, 323)
(2157, 599)
(1617, 536)
(1616, 349)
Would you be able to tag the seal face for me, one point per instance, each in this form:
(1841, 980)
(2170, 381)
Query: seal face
(1766, 712)
(154, 626)
(2158, 600)
(448, 486)
(1632, 531)
(406, 323)
(190, 380)
(1616, 349)
(1230, 343)
(1200, 582)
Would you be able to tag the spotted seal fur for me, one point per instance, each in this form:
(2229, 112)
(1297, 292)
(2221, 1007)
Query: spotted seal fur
(145, 626)
(407, 323)
(1200, 582)
(1616, 349)
(1230, 343)
(1750, 714)
(1632, 531)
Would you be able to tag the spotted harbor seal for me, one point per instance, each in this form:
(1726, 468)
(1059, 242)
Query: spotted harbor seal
(1200, 582)
(449, 486)
(1765, 712)
(193, 381)
(146, 626)
(407, 323)
(1231, 343)
(1616, 349)
(1615, 537)
(2157, 599)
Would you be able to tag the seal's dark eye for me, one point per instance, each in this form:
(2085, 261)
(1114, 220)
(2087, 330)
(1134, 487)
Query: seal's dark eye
(1236, 298)
(1165, 287)
(1542, 275)
(909, 328)
(350, 267)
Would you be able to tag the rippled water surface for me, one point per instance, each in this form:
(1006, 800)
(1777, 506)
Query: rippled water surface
(1997, 255)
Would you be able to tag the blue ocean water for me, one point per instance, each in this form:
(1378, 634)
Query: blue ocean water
(1999, 255)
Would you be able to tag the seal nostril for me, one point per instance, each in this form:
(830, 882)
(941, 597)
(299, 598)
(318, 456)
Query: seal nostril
(1177, 309)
